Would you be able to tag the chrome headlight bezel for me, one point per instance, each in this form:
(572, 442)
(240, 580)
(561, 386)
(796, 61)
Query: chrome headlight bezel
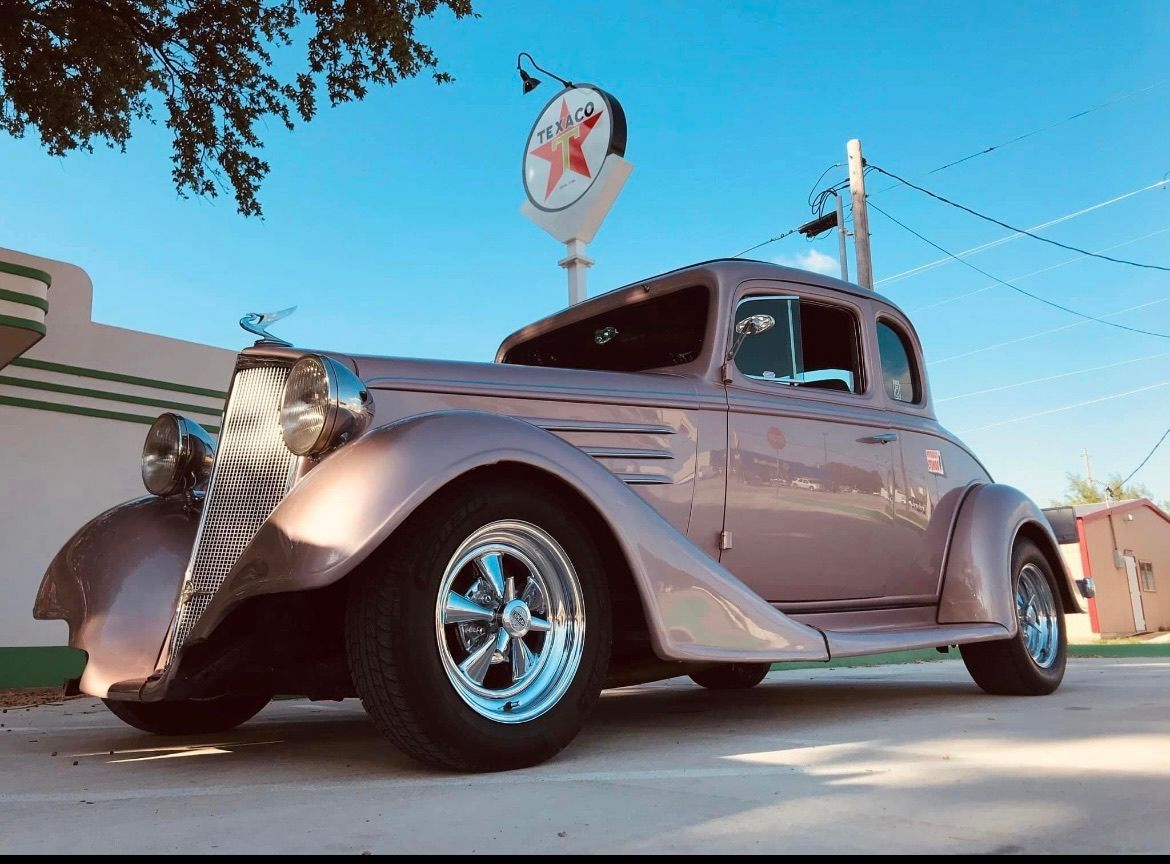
(345, 407)
(192, 450)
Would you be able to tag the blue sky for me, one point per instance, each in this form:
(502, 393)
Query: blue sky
(393, 223)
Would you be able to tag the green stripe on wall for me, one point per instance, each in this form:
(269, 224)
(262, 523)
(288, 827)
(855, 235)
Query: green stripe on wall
(22, 324)
(82, 371)
(26, 272)
(37, 405)
(47, 666)
(113, 397)
(26, 299)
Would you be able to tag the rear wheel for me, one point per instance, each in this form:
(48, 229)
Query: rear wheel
(1032, 662)
(480, 640)
(731, 676)
(188, 717)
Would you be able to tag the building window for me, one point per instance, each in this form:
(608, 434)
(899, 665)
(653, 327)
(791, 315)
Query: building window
(1146, 575)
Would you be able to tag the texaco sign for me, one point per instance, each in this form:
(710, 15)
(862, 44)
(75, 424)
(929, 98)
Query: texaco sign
(568, 144)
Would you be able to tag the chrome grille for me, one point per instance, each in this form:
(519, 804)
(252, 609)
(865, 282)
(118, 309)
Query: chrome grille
(253, 472)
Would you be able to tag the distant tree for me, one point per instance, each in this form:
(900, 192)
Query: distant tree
(1081, 491)
(80, 71)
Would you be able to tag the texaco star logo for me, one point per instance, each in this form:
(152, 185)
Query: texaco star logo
(568, 145)
(563, 150)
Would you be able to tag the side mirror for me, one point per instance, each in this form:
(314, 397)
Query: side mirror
(750, 326)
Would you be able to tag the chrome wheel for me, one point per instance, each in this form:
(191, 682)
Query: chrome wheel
(510, 621)
(1036, 611)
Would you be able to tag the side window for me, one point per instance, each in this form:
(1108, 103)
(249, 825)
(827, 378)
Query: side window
(1146, 576)
(813, 345)
(899, 374)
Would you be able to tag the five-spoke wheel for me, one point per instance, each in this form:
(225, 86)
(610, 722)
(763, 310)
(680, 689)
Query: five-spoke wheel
(510, 621)
(467, 636)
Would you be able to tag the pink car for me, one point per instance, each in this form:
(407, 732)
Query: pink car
(727, 466)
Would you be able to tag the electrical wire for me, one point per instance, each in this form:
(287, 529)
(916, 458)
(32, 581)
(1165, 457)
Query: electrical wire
(1023, 231)
(787, 233)
(1063, 408)
(1019, 290)
(974, 250)
(1121, 97)
(1038, 334)
(956, 297)
(813, 194)
(1142, 464)
(1047, 378)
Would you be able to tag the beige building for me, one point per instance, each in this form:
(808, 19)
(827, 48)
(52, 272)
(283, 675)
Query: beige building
(76, 398)
(1125, 549)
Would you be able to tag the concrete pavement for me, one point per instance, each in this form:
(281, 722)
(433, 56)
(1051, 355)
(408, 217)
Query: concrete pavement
(908, 758)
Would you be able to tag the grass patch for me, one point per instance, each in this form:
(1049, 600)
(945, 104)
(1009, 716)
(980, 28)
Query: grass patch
(45, 666)
(1120, 649)
(929, 655)
(922, 655)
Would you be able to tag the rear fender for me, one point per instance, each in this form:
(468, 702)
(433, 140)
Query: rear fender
(116, 582)
(977, 580)
(347, 506)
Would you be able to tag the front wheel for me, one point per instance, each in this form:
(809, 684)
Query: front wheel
(189, 716)
(479, 639)
(1032, 662)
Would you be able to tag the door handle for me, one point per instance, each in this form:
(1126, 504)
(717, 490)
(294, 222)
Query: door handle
(884, 438)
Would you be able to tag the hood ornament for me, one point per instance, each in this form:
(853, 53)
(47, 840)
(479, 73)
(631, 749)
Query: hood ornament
(257, 322)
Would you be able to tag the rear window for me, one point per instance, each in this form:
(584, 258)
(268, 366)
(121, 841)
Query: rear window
(651, 334)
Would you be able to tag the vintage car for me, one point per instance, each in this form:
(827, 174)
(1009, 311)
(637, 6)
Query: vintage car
(704, 473)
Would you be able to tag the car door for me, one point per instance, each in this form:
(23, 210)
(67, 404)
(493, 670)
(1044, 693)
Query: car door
(811, 456)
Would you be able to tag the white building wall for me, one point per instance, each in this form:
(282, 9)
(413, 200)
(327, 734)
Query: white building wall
(74, 411)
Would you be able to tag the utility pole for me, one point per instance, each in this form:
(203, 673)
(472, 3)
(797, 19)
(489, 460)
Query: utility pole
(1088, 467)
(860, 215)
(842, 252)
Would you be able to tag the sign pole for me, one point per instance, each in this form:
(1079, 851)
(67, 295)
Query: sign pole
(573, 171)
(576, 265)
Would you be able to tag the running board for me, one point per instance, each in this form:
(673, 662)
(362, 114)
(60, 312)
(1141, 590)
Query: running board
(857, 643)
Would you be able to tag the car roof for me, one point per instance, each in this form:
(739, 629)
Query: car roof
(728, 273)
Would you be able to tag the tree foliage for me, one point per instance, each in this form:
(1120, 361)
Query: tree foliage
(1081, 491)
(82, 71)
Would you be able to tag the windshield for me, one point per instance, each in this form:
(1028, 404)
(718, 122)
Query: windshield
(651, 334)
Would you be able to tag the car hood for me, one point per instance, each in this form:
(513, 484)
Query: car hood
(447, 376)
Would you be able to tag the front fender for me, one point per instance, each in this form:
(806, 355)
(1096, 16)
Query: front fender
(116, 582)
(349, 504)
(977, 582)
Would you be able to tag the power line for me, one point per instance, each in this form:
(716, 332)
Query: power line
(1048, 378)
(956, 297)
(787, 233)
(974, 250)
(1063, 408)
(1040, 333)
(1023, 231)
(1142, 464)
(1121, 97)
(1019, 290)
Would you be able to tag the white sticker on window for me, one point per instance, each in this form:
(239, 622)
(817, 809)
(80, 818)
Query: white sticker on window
(897, 389)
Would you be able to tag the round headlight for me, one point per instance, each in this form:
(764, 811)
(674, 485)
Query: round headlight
(177, 455)
(324, 405)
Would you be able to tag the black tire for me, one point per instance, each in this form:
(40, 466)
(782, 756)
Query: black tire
(189, 717)
(1005, 667)
(731, 676)
(391, 637)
